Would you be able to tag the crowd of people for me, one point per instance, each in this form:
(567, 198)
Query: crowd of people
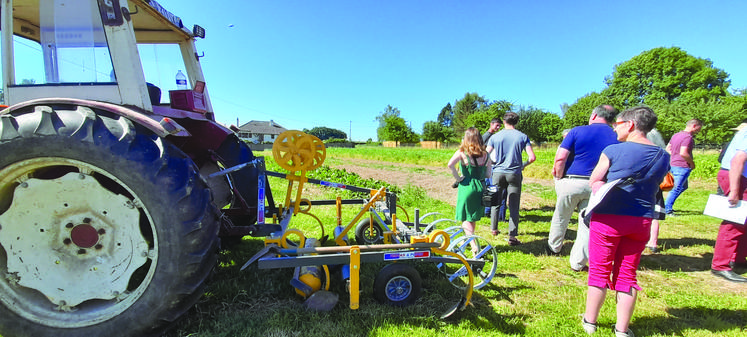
(609, 171)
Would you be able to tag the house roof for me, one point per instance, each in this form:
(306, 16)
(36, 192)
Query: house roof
(263, 127)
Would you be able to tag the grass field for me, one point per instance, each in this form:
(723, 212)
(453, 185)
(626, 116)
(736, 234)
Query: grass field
(532, 294)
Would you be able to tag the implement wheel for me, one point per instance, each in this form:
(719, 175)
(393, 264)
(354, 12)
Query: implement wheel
(105, 228)
(367, 234)
(483, 273)
(397, 284)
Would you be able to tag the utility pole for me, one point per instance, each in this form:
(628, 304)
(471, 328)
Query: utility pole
(350, 131)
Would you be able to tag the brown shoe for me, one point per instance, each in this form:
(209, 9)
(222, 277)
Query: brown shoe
(513, 242)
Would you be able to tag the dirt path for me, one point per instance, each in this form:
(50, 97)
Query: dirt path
(435, 180)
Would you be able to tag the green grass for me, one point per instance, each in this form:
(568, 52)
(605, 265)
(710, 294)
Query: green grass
(532, 294)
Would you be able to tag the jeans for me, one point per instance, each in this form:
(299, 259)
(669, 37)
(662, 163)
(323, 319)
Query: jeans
(680, 175)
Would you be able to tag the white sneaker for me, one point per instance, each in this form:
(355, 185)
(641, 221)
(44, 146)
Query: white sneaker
(628, 333)
(590, 328)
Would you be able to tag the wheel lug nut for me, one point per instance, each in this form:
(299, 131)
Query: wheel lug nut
(69, 225)
(87, 220)
(102, 231)
(98, 247)
(67, 241)
(81, 251)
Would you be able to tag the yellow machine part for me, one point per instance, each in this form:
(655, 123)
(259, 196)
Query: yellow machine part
(294, 150)
(312, 277)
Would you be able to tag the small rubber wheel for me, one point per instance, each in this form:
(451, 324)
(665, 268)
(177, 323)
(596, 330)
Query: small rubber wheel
(367, 234)
(397, 284)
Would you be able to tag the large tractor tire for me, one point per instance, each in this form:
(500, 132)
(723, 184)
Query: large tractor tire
(105, 228)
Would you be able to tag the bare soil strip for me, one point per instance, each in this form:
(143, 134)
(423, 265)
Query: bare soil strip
(435, 180)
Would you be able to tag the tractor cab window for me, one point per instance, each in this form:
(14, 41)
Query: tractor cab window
(161, 62)
(72, 46)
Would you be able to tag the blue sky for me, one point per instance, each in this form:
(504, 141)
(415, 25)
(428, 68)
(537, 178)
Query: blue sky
(340, 63)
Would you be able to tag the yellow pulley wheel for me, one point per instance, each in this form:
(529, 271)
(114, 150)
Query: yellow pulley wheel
(285, 150)
(319, 153)
(294, 150)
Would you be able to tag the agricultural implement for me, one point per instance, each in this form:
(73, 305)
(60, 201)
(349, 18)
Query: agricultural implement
(113, 204)
(468, 262)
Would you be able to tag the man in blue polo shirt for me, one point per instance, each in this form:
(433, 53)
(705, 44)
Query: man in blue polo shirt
(576, 157)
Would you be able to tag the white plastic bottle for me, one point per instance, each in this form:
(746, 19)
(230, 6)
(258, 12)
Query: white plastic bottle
(181, 81)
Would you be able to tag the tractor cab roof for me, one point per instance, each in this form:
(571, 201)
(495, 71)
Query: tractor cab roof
(152, 22)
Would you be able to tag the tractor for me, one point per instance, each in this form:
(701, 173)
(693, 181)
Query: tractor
(114, 205)
(109, 222)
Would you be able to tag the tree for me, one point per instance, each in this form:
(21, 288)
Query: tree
(539, 126)
(666, 74)
(482, 117)
(434, 131)
(718, 118)
(463, 108)
(551, 128)
(325, 133)
(580, 111)
(392, 127)
(388, 112)
(446, 115)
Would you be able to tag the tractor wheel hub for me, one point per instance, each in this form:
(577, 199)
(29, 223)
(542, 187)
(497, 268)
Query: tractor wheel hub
(71, 246)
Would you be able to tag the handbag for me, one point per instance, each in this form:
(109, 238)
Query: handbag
(489, 195)
(668, 183)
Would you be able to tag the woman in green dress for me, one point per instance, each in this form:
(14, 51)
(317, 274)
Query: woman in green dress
(474, 167)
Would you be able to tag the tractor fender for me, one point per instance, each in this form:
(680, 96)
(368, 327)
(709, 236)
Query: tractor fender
(156, 123)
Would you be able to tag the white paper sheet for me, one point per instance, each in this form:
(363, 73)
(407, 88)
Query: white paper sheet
(718, 207)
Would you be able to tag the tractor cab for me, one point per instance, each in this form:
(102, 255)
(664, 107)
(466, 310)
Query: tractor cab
(90, 50)
(109, 222)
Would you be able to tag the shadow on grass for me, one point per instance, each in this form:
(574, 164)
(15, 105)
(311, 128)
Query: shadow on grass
(694, 318)
(533, 247)
(685, 242)
(679, 213)
(671, 262)
(488, 319)
(537, 214)
(676, 263)
(482, 314)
